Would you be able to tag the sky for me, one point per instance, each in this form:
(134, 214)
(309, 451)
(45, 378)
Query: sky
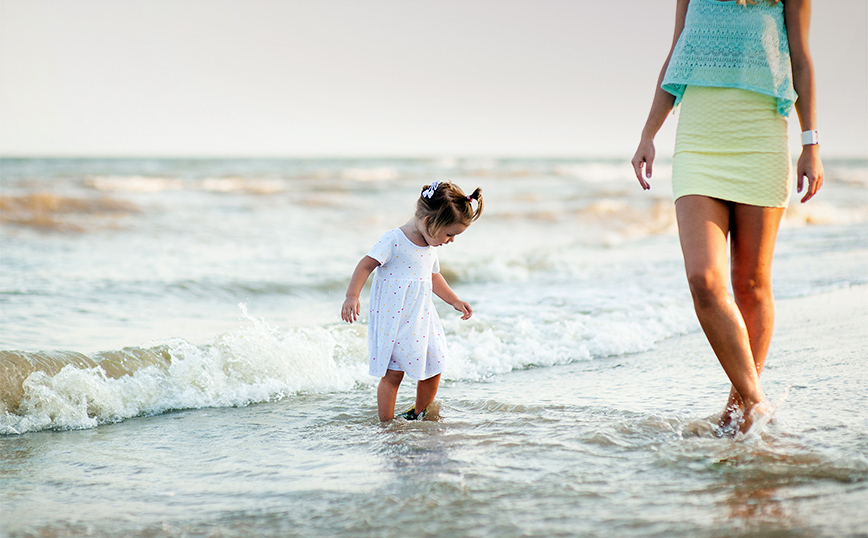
(331, 78)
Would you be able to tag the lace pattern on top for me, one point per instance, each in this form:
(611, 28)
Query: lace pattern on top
(731, 46)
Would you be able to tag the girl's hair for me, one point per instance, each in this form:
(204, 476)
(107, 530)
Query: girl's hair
(447, 204)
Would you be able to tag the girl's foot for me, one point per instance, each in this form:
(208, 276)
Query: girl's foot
(410, 414)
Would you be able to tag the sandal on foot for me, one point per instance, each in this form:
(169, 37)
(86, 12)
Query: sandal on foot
(410, 414)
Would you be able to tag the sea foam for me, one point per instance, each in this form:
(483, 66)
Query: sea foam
(260, 363)
(256, 363)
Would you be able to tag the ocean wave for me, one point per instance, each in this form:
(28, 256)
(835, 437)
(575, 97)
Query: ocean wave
(242, 289)
(853, 173)
(242, 185)
(819, 212)
(68, 390)
(375, 173)
(134, 184)
(52, 212)
(486, 346)
(258, 363)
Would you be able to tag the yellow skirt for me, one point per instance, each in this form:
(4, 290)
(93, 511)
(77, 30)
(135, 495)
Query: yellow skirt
(731, 144)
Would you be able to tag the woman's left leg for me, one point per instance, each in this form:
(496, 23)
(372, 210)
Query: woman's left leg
(703, 226)
(753, 233)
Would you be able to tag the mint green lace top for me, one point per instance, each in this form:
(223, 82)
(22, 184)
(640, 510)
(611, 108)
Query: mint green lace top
(727, 45)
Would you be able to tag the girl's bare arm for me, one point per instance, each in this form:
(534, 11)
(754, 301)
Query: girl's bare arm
(442, 290)
(351, 307)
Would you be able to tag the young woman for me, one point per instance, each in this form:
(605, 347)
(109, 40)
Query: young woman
(736, 68)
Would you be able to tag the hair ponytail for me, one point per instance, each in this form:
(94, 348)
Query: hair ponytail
(476, 195)
(442, 204)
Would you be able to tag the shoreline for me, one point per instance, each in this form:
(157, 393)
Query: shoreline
(813, 315)
(680, 375)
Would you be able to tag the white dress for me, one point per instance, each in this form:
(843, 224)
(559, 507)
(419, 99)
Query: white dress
(404, 330)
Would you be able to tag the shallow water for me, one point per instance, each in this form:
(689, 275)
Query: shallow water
(543, 452)
(173, 364)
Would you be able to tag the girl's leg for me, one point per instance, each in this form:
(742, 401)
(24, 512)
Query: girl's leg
(426, 390)
(753, 233)
(703, 226)
(387, 393)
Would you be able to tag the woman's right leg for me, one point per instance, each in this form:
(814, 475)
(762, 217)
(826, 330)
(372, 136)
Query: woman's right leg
(703, 226)
(387, 393)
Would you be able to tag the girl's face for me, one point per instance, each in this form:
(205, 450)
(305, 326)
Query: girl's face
(444, 235)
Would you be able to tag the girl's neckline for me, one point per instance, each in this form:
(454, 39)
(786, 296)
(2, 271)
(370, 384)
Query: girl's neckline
(404, 235)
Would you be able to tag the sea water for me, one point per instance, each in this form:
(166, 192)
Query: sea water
(172, 362)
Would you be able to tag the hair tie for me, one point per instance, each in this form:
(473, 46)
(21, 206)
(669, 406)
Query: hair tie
(429, 192)
(469, 198)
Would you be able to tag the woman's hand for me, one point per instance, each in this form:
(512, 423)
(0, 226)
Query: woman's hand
(350, 309)
(464, 308)
(811, 167)
(642, 162)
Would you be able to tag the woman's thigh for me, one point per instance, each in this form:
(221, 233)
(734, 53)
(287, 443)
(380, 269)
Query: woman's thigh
(703, 227)
(753, 233)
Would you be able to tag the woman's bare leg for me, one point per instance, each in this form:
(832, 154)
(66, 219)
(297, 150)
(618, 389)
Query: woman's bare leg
(387, 393)
(753, 233)
(703, 226)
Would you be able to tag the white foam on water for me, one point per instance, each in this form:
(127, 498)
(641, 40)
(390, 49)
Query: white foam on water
(241, 185)
(134, 184)
(488, 345)
(255, 363)
(376, 173)
(260, 363)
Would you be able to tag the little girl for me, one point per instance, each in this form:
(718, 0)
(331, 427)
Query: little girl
(404, 330)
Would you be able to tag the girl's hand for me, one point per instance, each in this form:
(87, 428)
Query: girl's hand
(644, 158)
(810, 166)
(464, 308)
(350, 310)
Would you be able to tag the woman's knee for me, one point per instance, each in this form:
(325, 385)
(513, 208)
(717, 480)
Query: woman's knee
(750, 290)
(706, 286)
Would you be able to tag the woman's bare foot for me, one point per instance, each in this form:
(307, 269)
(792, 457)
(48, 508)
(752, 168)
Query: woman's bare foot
(757, 414)
(732, 414)
(729, 420)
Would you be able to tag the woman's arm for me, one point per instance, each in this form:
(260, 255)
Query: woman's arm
(660, 108)
(797, 14)
(351, 307)
(442, 290)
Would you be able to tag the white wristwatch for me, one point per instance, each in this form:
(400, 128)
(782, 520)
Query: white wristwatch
(809, 138)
